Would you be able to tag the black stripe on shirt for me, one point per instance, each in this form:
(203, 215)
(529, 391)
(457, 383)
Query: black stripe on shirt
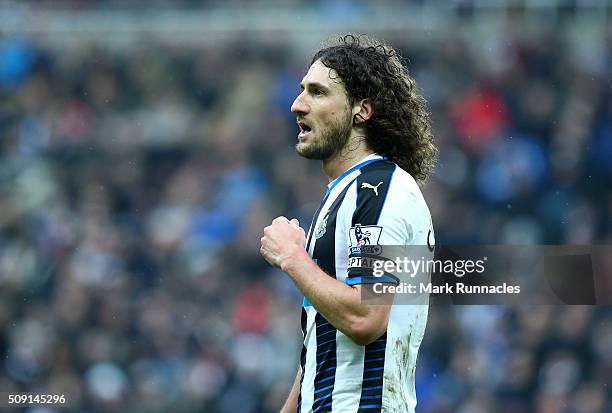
(373, 373)
(303, 320)
(325, 377)
(370, 201)
(324, 252)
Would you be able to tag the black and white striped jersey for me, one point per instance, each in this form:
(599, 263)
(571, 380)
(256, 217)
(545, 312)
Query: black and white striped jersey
(374, 203)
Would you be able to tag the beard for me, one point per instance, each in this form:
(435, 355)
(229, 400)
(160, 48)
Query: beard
(330, 141)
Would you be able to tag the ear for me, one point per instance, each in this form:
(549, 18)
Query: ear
(362, 111)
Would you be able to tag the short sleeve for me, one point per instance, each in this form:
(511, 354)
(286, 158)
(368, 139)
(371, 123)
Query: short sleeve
(376, 221)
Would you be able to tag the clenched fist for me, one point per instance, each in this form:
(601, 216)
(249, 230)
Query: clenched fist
(281, 240)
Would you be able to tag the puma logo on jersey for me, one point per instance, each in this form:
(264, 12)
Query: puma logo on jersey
(375, 188)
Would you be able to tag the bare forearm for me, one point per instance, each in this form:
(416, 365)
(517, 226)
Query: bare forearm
(290, 405)
(339, 303)
(283, 246)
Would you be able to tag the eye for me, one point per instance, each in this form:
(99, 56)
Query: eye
(318, 92)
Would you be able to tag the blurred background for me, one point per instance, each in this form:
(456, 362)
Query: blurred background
(145, 144)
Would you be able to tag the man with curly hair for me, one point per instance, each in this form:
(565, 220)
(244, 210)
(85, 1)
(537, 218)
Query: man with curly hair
(359, 112)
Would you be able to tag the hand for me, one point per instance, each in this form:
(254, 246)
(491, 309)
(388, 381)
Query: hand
(282, 240)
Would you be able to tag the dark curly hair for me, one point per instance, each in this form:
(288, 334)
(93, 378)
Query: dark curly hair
(399, 128)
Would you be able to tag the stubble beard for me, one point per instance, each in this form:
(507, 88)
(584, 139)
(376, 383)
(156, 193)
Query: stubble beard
(330, 142)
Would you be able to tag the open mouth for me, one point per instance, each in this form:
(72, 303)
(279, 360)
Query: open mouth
(305, 129)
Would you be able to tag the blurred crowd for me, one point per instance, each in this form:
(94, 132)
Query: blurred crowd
(135, 184)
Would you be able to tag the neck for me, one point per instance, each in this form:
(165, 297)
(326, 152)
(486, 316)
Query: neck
(355, 150)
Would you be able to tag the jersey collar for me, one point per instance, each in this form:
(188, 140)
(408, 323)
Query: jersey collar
(365, 161)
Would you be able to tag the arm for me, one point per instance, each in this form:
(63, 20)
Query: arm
(290, 405)
(283, 247)
(338, 302)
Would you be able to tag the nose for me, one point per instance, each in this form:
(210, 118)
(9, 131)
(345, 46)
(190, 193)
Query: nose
(299, 107)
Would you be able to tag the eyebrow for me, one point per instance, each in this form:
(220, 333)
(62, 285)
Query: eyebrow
(313, 84)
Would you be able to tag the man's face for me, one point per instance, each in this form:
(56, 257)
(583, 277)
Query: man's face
(323, 114)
